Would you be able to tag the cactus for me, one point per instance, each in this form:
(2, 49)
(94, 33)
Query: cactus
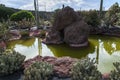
(39, 71)
(115, 75)
(85, 69)
(10, 62)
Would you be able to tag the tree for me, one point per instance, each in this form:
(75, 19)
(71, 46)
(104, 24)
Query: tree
(111, 16)
(5, 12)
(91, 17)
(19, 16)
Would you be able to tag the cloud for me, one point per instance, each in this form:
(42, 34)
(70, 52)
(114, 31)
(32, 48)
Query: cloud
(51, 5)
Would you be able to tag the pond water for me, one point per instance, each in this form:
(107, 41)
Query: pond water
(104, 49)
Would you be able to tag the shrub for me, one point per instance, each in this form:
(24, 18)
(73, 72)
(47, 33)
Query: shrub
(38, 71)
(115, 75)
(10, 62)
(24, 34)
(19, 16)
(4, 30)
(85, 69)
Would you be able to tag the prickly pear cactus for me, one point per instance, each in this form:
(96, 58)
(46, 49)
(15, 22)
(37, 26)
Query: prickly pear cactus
(38, 71)
(10, 62)
(115, 75)
(85, 69)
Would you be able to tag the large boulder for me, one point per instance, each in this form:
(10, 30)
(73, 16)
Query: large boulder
(64, 18)
(68, 27)
(76, 35)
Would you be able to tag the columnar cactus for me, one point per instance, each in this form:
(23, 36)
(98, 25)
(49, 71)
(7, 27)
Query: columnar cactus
(85, 69)
(10, 62)
(38, 71)
(115, 75)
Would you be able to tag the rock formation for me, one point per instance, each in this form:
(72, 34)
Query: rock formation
(62, 65)
(68, 27)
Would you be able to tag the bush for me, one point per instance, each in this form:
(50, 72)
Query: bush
(24, 34)
(38, 71)
(91, 17)
(19, 16)
(85, 69)
(10, 62)
(4, 30)
(115, 75)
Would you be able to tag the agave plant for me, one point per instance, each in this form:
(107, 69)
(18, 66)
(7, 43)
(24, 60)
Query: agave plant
(38, 71)
(10, 62)
(85, 69)
(115, 75)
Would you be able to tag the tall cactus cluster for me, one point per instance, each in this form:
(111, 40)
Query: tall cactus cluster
(115, 75)
(39, 71)
(85, 69)
(10, 62)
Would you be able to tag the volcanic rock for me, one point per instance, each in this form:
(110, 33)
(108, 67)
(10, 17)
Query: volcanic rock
(76, 35)
(62, 66)
(68, 27)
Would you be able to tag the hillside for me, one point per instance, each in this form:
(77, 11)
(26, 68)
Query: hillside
(6, 12)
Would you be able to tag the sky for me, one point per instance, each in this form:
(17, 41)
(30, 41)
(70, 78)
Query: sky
(51, 5)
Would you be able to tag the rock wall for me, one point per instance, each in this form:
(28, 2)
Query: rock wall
(68, 27)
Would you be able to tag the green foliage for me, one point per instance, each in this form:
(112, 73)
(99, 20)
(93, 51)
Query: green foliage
(5, 12)
(4, 30)
(85, 69)
(38, 71)
(91, 17)
(115, 75)
(42, 33)
(118, 21)
(19, 16)
(24, 34)
(111, 16)
(25, 23)
(10, 62)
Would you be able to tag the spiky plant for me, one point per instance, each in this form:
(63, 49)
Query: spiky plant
(85, 69)
(10, 62)
(38, 71)
(115, 75)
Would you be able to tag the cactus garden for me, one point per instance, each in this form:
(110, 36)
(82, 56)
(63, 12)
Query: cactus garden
(59, 40)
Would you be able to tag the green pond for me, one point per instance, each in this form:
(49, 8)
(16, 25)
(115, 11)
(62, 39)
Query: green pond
(104, 49)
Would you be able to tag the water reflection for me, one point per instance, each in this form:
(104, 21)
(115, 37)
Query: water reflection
(104, 49)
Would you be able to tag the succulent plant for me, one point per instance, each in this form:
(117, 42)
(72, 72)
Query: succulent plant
(10, 62)
(115, 75)
(39, 71)
(85, 69)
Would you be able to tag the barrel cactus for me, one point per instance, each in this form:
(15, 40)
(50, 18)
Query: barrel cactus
(10, 62)
(115, 75)
(85, 69)
(39, 71)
